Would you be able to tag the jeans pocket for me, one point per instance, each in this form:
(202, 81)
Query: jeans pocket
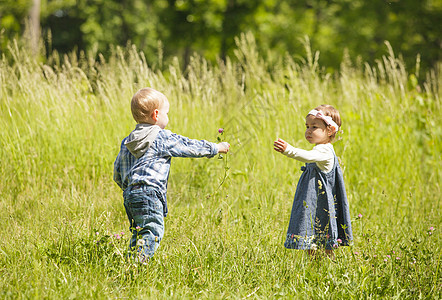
(145, 206)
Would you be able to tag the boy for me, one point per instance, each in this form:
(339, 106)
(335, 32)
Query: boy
(142, 166)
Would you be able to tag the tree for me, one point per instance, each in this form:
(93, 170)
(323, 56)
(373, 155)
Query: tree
(34, 25)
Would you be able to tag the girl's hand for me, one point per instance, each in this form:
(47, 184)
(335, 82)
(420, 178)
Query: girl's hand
(280, 145)
(223, 147)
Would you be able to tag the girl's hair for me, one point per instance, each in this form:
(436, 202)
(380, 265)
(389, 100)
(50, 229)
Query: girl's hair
(144, 102)
(329, 110)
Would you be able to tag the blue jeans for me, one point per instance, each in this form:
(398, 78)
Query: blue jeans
(145, 212)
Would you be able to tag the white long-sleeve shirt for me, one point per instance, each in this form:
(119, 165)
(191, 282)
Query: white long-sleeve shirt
(321, 154)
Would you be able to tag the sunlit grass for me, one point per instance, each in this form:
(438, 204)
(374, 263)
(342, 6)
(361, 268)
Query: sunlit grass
(63, 216)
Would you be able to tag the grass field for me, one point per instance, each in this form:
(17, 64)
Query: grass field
(64, 230)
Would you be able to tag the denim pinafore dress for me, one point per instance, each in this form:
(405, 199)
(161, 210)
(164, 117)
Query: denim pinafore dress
(320, 215)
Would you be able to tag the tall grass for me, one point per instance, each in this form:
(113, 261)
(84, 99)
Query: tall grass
(64, 227)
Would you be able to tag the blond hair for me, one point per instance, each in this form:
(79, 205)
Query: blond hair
(144, 102)
(332, 112)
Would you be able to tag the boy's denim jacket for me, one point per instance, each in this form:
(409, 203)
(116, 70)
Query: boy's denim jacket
(152, 168)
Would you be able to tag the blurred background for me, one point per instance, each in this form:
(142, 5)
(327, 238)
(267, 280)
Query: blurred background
(163, 29)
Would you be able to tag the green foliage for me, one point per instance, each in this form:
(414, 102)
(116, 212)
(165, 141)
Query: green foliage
(12, 19)
(63, 216)
(164, 29)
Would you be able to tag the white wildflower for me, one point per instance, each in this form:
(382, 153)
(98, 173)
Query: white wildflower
(141, 242)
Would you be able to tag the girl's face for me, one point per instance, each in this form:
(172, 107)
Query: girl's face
(316, 131)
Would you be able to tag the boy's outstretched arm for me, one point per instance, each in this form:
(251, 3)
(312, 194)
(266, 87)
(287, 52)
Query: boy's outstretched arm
(280, 145)
(180, 146)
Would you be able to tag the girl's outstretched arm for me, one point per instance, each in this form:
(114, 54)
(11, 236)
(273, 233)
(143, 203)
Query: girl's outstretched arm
(280, 145)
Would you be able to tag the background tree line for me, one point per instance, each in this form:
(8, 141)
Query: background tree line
(163, 29)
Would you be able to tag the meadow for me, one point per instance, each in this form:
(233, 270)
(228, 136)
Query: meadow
(64, 230)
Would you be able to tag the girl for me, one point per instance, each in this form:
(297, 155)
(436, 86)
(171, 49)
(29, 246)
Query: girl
(320, 215)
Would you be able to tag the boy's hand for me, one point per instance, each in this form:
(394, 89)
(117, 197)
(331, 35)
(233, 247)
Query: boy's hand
(223, 147)
(280, 145)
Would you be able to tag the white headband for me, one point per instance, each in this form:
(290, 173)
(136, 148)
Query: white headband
(327, 119)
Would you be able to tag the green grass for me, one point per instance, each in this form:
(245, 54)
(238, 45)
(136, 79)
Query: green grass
(62, 124)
